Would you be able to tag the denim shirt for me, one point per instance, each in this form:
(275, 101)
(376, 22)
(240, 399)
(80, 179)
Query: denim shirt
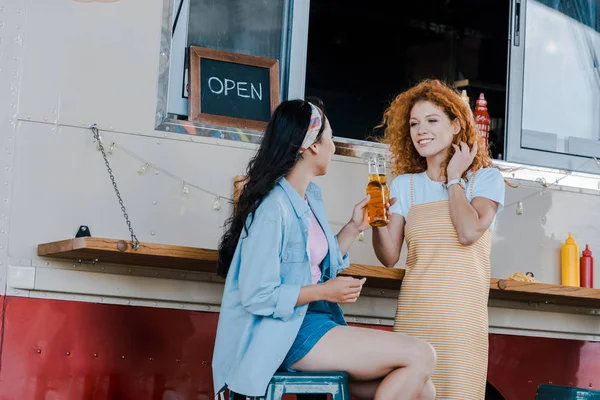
(259, 320)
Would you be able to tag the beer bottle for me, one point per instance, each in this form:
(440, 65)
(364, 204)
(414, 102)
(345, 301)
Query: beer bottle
(378, 190)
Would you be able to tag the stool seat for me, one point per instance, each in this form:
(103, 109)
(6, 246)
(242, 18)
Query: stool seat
(555, 392)
(334, 383)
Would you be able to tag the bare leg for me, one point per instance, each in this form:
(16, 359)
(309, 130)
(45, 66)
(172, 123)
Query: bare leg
(364, 390)
(428, 392)
(404, 364)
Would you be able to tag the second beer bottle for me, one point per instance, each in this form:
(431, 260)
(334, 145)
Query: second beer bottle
(378, 191)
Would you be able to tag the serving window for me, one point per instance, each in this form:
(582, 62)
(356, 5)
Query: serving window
(535, 61)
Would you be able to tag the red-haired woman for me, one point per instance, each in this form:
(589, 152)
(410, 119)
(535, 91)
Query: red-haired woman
(447, 196)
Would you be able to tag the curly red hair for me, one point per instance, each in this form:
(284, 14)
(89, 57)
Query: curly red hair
(396, 118)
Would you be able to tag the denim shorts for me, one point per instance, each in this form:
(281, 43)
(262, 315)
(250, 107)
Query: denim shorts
(317, 322)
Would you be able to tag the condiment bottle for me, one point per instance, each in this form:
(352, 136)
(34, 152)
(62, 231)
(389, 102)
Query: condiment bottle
(482, 119)
(569, 255)
(586, 268)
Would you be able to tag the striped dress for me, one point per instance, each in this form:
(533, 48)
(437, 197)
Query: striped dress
(444, 298)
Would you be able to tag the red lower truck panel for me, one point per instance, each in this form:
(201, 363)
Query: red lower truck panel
(71, 350)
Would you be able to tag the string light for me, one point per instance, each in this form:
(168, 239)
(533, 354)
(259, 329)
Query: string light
(519, 209)
(217, 204)
(217, 198)
(185, 184)
(544, 186)
(143, 169)
(542, 181)
(98, 142)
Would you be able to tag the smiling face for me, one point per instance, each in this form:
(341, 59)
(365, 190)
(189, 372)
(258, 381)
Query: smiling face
(431, 129)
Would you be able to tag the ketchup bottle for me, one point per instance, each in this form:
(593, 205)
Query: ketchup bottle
(587, 268)
(482, 119)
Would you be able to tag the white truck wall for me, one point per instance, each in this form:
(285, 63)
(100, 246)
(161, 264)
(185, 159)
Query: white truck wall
(68, 64)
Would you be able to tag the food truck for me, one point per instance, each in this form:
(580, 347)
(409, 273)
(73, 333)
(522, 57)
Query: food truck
(124, 125)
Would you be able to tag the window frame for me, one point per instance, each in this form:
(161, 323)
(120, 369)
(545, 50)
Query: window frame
(543, 165)
(515, 152)
(292, 83)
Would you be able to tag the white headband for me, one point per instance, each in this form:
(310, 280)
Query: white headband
(313, 128)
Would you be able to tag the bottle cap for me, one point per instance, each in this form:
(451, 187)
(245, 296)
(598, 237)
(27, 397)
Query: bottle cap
(481, 101)
(587, 252)
(570, 239)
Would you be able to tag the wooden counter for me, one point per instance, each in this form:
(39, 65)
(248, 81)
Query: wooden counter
(90, 249)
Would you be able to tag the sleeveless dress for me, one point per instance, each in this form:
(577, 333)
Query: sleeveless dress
(444, 296)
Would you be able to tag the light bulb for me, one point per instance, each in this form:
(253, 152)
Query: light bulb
(519, 209)
(143, 169)
(542, 181)
(217, 204)
(98, 142)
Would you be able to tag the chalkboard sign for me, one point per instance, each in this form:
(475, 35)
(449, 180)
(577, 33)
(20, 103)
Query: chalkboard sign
(231, 89)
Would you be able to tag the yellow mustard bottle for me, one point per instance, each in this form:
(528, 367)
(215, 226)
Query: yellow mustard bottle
(569, 255)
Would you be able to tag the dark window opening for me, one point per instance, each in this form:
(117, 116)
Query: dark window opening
(362, 54)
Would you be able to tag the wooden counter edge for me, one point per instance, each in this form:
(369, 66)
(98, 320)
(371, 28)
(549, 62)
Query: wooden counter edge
(91, 249)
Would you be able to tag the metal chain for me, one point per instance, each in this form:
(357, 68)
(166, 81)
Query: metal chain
(135, 243)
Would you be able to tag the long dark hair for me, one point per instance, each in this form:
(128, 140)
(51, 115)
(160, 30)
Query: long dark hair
(276, 156)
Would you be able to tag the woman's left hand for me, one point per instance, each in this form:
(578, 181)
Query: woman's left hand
(360, 218)
(461, 160)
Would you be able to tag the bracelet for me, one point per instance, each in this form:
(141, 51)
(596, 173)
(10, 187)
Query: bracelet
(460, 182)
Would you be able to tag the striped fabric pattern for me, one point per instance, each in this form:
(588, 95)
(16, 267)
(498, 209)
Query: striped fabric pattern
(444, 298)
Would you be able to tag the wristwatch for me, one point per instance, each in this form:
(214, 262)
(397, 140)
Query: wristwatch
(460, 182)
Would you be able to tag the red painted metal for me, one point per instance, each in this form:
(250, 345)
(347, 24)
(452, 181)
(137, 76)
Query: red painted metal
(70, 350)
(519, 364)
(2, 304)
